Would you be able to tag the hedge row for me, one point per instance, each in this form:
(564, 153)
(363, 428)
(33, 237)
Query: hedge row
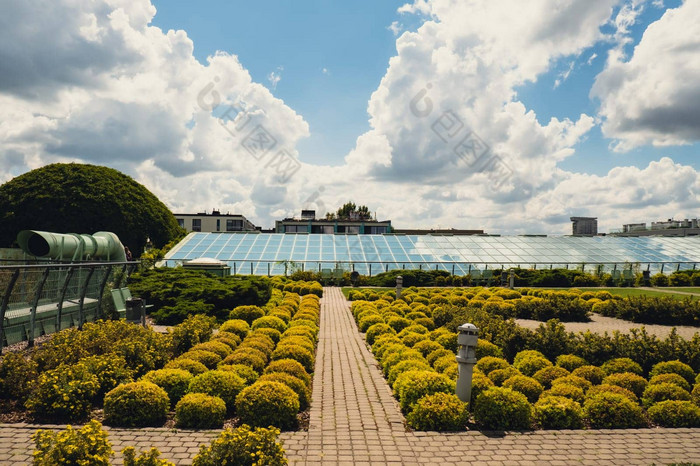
(300, 287)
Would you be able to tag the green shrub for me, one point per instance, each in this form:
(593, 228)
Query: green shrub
(17, 376)
(268, 404)
(444, 363)
(110, 371)
(192, 331)
(412, 338)
(87, 446)
(270, 322)
(558, 412)
(574, 380)
(437, 354)
(571, 392)
(448, 341)
(620, 365)
(247, 313)
(145, 458)
(291, 367)
(480, 383)
(298, 385)
(207, 358)
(486, 348)
(238, 327)
(632, 382)
(614, 389)
(413, 385)
(528, 386)
(531, 364)
(224, 384)
(64, 393)
(695, 394)
(675, 413)
(659, 279)
(501, 408)
(136, 404)
(302, 355)
(273, 334)
(671, 378)
(300, 341)
(439, 411)
(246, 373)
(491, 363)
(369, 320)
(173, 381)
(252, 358)
(663, 392)
(593, 374)
(265, 345)
(427, 346)
(674, 367)
(220, 349)
(501, 375)
(189, 365)
(200, 411)
(243, 447)
(377, 329)
(612, 411)
(546, 375)
(527, 354)
(404, 366)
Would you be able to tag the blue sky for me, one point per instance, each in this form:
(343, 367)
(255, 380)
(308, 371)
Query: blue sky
(581, 107)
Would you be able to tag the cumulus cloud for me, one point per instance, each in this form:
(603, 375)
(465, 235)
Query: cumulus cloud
(654, 97)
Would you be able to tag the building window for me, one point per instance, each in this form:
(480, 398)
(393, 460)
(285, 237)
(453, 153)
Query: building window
(375, 230)
(196, 224)
(296, 228)
(218, 224)
(234, 225)
(181, 222)
(323, 229)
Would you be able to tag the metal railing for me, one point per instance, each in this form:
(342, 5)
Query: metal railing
(370, 268)
(43, 298)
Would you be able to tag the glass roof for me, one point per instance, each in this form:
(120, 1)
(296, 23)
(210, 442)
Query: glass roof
(261, 253)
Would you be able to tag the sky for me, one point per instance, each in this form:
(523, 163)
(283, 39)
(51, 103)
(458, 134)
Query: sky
(506, 116)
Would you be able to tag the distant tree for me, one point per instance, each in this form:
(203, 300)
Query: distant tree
(330, 216)
(78, 198)
(349, 209)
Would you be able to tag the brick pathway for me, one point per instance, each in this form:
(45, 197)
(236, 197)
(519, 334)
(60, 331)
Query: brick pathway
(355, 420)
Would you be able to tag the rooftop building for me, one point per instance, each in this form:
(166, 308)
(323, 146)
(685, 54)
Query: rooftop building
(355, 225)
(584, 226)
(214, 222)
(670, 227)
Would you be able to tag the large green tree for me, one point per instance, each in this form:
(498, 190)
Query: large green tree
(78, 198)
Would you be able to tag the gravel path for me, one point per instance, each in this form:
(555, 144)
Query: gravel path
(600, 324)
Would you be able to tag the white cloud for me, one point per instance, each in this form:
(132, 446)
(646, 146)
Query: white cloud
(274, 77)
(654, 97)
(395, 28)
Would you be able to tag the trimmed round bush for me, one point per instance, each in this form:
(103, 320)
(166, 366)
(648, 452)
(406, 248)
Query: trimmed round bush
(404, 366)
(230, 339)
(440, 412)
(398, 323)
(632, 382)
(173, 381)
(207, 358)
(369, 320)
(490, 363)
(377, 329)
(570, 362)
(247, 313)
(260, 342)
(292, 382)
(273, 334)
(268, 404)
(220, 348)
(63, 393)
(546, 375)
(300, 341)
(246, 373)
(528, 386)
(269, 322)
(567, 391)
(596, 389)
(302, 355)
(593, 374)
(426, 347)
(621, 365)
(500, 408)
(526, 354)
(558, 412)
(413, 385)
(437, 354)
(224, 384)
(663, 392)
(253, 358)
(675, 413)
(674, 367)
(480, 383)
(289, 366)
(612, 411)
(501, 375)
(695, 394)
(486, 348)
(671, 378)
(189, 365)
(200, 411)
(136, 404)
(529, 365)
(576, 381)
(448, 341)
(238, 327)
(411, 338)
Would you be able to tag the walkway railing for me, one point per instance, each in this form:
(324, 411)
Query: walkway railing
(43, 298)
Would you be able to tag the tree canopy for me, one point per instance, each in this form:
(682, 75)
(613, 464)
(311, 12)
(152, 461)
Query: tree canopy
(350, 211)
(78, 198)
